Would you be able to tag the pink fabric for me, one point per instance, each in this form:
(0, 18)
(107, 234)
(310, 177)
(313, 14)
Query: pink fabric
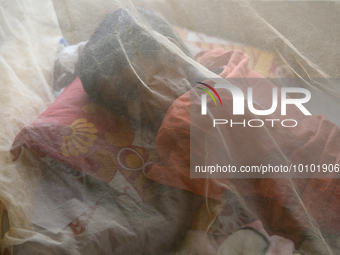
(86, 136)
(315, 140)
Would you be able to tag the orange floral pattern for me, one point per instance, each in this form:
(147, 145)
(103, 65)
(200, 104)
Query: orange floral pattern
(82, 137)
(108, 165)
(123, 137)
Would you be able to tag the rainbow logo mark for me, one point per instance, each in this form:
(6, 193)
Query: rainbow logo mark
(212, 89)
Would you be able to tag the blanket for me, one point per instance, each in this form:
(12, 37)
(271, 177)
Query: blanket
(289, 205)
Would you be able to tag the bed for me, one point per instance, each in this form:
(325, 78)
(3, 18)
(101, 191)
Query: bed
(78, 178)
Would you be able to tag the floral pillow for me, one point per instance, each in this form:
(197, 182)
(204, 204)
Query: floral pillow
(87, 137)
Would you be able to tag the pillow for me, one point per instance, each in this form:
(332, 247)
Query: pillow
(86, 136)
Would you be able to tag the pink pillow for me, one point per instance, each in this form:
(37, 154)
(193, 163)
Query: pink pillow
(86, 136)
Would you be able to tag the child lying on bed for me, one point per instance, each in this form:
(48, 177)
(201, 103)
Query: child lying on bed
(124, 68)
(127, 70)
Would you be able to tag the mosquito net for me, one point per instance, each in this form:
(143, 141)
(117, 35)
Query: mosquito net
(169, 127)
